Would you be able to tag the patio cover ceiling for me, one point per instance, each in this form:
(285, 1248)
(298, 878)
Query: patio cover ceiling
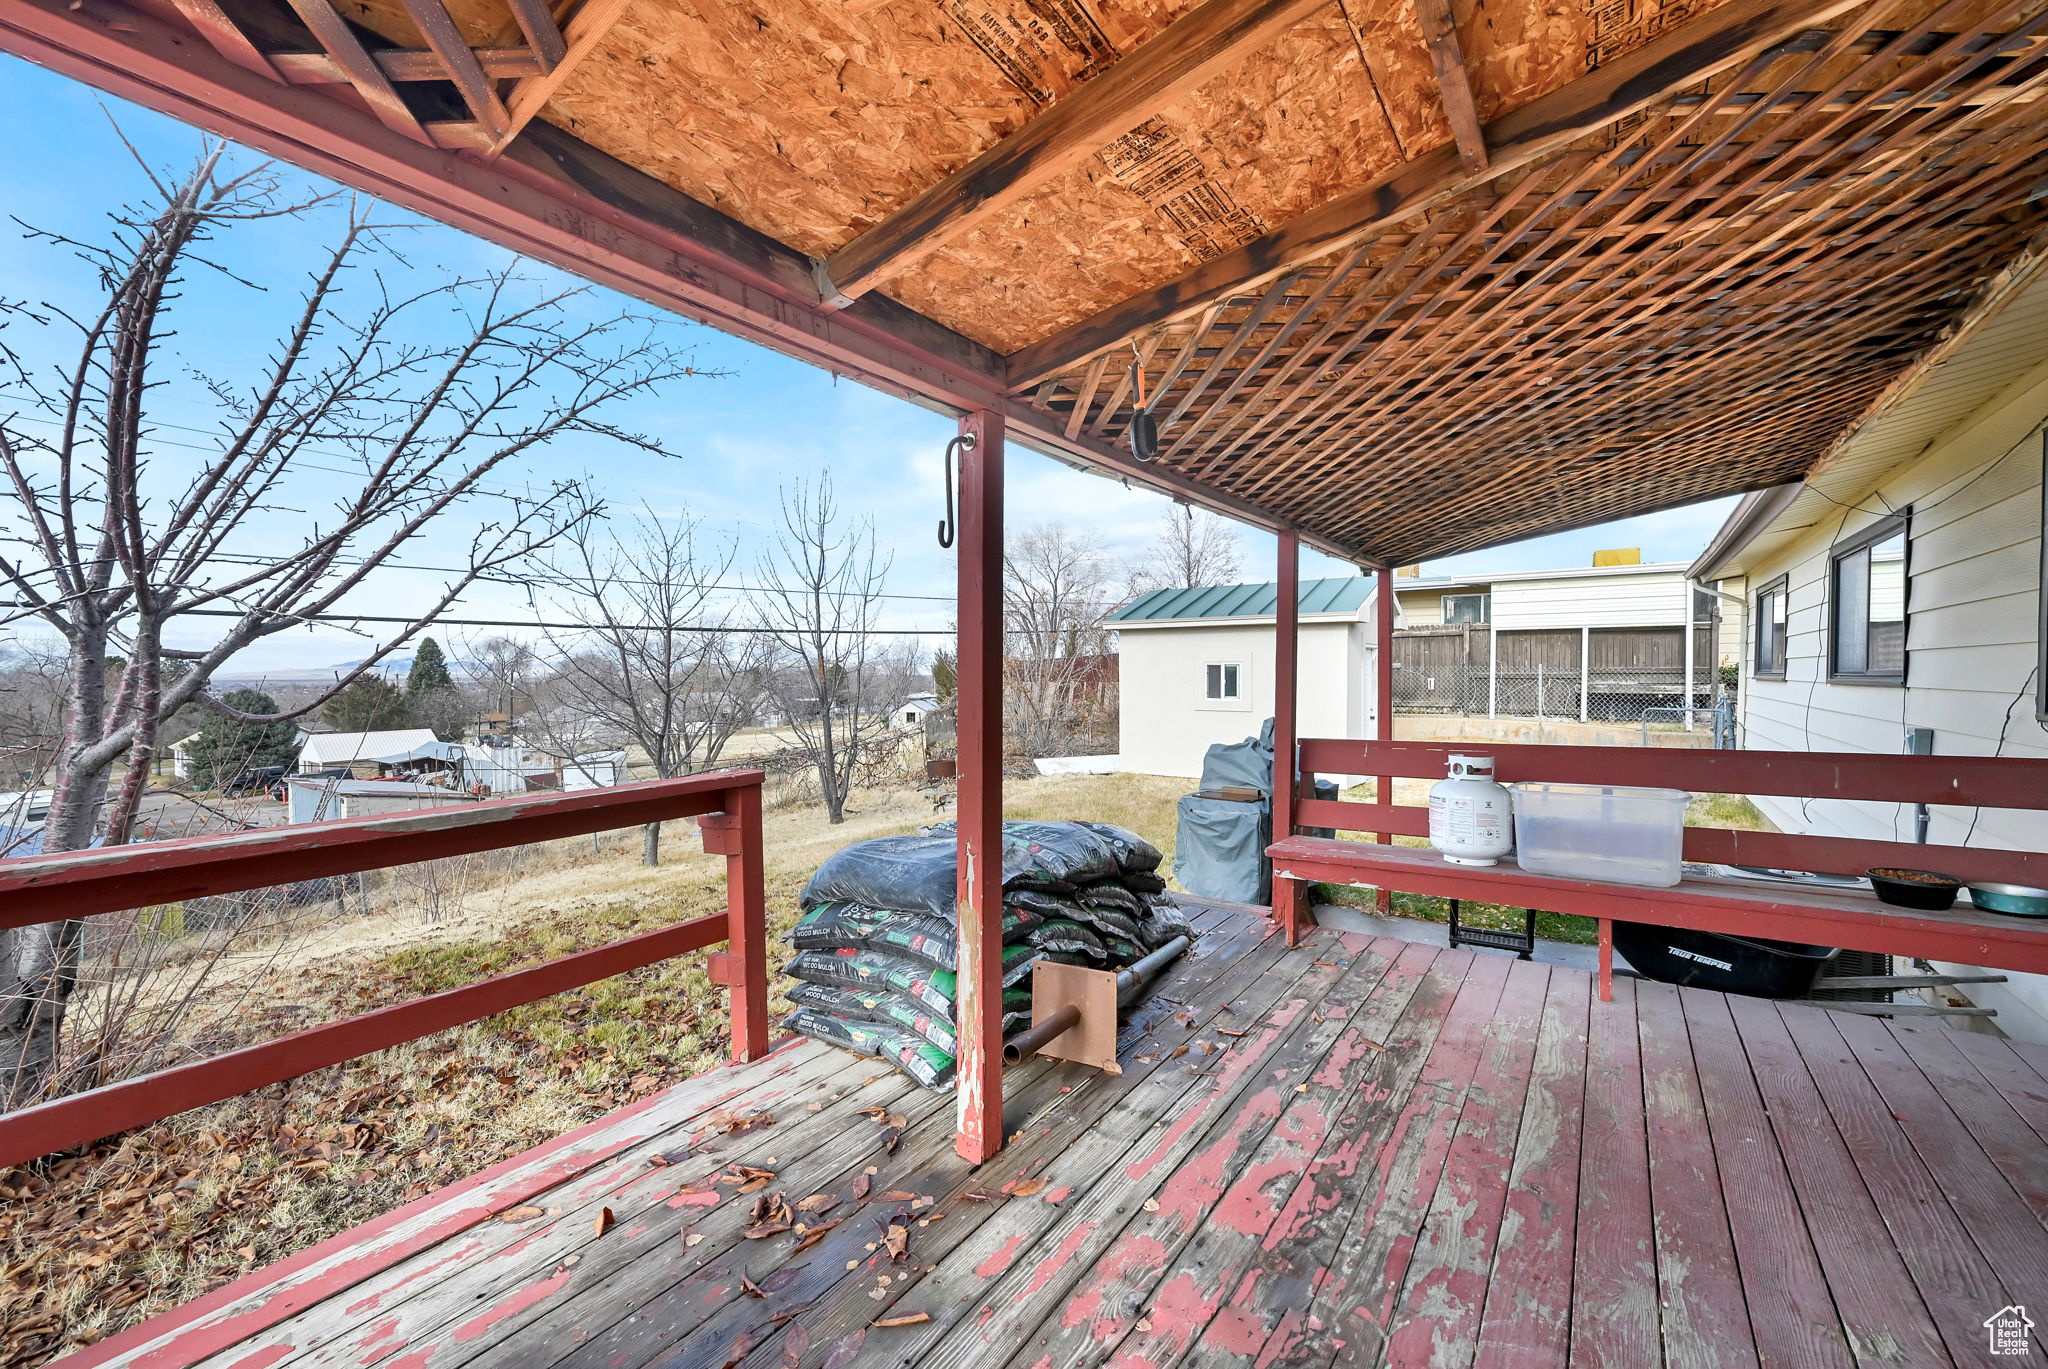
(1412, 278)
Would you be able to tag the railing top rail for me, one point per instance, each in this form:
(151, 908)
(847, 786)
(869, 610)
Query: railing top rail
(1970, 781)
(110, 879)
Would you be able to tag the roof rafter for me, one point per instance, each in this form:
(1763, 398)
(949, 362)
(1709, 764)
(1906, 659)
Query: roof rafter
(1454, 83)
(1678, 58)
(1198, 45)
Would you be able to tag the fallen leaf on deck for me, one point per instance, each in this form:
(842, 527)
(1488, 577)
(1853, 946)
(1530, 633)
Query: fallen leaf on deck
(891, 1139)
(750, 1288)
(897, 1195)
(846, 1349)
(1233, 1031)
(795, 1345)
(861, 1186)
(1023, 1188)
(604, 1221)
(818, 1202)
(1177, 1052)
(897, 1238)
(524, 1213)
(1151, 1204)
(812, 1235)
(904, 1319)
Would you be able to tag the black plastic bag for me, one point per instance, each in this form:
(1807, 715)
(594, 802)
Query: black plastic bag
(918, 1058)
(919, 936)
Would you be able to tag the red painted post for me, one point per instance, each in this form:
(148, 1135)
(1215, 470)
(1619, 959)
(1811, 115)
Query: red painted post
(1287, 893)
(1383, 709)
(979, 719)
(1606, 960)
(746, 915)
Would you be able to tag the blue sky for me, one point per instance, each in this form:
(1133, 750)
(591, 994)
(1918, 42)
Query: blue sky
(767, 421)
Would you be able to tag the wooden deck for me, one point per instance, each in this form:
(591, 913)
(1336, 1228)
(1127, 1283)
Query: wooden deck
(1356, 1152)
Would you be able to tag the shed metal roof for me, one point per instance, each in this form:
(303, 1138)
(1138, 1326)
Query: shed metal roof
(1342, 594)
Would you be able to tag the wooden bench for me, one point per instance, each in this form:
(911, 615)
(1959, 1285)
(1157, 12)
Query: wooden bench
(1853, 919)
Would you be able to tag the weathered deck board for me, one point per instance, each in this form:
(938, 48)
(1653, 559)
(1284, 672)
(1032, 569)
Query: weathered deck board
(1790, 1309)
(1354, 1152)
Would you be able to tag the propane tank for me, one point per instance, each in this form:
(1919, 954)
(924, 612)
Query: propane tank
(1470, 817)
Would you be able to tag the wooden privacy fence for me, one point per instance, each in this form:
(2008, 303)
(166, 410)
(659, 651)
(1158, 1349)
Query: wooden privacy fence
(82, 883)
(1853, 919)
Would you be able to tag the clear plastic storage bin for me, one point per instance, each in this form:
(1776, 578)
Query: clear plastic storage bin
(1600, 831)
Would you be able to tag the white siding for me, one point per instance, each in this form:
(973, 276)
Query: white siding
(1973, 620)
(1590, 601)
(1421, 607)
(1166, 724)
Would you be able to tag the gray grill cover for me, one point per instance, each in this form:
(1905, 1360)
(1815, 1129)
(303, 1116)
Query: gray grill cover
(1219, 848)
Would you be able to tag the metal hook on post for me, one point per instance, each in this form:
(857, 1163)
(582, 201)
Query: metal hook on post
(965, 443)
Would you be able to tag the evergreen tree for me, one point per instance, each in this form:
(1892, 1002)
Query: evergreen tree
(225, 747)
(431, 695)
(371, 704)
(429, 670)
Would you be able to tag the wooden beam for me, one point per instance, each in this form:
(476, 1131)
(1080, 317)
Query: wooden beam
(587, 26)
(543, 34)
(399, 64)
(1454, 83)
(437, 26)
(1198, 45)
(1674, 60)
(226, 35)
(333, 33)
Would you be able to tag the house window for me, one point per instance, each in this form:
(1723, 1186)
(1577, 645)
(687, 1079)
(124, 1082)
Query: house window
(1867, 605)
(1222, 681)
(1468, 608)
(1768, 657)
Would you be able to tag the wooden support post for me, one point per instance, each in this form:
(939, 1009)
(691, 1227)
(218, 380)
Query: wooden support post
(979, 716)
(1606, 960)
(1383, 712)
(1287, 893)
(746, 915)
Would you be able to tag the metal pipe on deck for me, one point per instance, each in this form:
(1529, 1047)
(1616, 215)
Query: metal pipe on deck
(1128, 981)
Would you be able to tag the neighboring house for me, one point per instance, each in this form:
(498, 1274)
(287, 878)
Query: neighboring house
(912, 712)
(1595, 642)
(1197, 668)
(361, 751)
(181, 763)
(1895, 598)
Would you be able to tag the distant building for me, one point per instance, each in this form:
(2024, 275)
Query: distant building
(911, 713)
(363, 751)
(1197, 668)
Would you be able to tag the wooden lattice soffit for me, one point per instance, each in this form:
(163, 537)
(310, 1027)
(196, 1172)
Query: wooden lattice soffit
(502, 84)
(1693, 301)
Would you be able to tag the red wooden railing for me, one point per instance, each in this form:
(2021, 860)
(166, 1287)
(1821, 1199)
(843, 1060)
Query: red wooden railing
(1967, 781)
(77, 884)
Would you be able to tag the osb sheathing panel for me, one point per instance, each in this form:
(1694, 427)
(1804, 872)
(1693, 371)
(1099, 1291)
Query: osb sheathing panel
(812, 120)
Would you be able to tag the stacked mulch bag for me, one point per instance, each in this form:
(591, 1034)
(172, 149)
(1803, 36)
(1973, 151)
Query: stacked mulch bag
(877, 946)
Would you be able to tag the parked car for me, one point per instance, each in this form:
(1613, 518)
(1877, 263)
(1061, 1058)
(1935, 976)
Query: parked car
(252, 781)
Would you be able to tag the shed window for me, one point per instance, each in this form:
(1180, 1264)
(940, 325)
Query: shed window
(1468, 608)
(1768, 662)
(1222, 681)
(1867, 596)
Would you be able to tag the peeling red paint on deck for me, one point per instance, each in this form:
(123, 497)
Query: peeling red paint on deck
(1235, 1063)
(1133, 1252)
(999, 1262)
(264, 1358)
(373, 1341)
(518, 1302)
(1236, 1330)
(707, 1198)
(1049, 1268)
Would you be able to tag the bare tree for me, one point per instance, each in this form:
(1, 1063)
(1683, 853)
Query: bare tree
(1057, 589)
(1195, 547)
(422, 398)
(654, 665)
(835, 675)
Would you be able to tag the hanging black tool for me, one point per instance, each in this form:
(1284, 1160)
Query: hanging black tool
(964, 442)
(1143, 430)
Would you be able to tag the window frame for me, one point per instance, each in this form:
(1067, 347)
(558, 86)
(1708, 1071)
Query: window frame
(1485, 598)
(2041, 586)
(1782, 588)
(1236, 679)
(1898, 524)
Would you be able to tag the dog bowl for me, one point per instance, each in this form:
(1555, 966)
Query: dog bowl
(1914, 888)
(2016, 899)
